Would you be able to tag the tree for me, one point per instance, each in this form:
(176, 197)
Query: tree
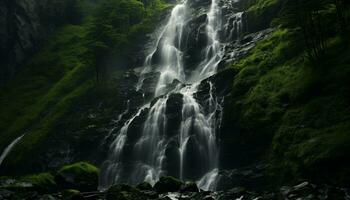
(342, 7)
(109, 30)
(308, 17)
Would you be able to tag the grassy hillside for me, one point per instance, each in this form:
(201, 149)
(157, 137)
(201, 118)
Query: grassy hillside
(52, 97)
(292, 112)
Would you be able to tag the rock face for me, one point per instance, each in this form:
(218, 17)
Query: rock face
(24, 25)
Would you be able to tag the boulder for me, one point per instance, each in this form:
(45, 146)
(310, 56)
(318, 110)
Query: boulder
(168, 184)
(124, 192)
(190, 187)
(144, 186)
(81, 176)
(72, 195)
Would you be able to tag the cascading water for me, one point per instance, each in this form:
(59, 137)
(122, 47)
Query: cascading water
(8, 149)
(194, 146)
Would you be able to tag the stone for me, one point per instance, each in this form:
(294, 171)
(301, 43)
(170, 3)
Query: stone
(144, 186)
(80, 176)
(124, 192)
(190, 187)
(46, 197)
(168, 184)
(5, 194)
(72, 195)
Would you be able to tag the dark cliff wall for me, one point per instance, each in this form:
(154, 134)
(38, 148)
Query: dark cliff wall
(24, 25)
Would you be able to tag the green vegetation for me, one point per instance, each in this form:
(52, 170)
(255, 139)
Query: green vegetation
(78, 168)
(118, 29)
(45, 182)
(294, 111)
(261, 12)
(81, 176)
(49, 86)
(49, 98)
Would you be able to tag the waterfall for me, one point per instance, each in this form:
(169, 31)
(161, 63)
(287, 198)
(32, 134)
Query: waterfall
(149, 153)
(9, 148)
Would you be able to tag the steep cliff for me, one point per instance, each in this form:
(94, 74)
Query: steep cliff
(25, 24)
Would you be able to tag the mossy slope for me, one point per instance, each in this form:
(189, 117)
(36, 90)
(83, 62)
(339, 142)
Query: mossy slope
(290, 113)
(56, 100)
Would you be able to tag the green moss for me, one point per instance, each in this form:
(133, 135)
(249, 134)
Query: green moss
(71, 194)
(296, 115)
(81, 176)
(52, 73)
(49, 98)
(78, 168)
(260, 13)
(43, 181)
(261, 5)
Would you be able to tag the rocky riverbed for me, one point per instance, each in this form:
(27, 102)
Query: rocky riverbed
(79, 181)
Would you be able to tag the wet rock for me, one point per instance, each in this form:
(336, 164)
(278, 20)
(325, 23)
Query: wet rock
(250, 177)
(150, 194)
(168, 184)
(190, 187)
(149, 84)
(303, 190)
(309, 191)
(47, 197)
(196, 41)
(173, 114)
(199, 3)
(5, 194)
(144, 186)
(124, 192)
(72, 195)
(80, 176)
(221, 81)
(237, 50)
(208, 198)
(172, 158)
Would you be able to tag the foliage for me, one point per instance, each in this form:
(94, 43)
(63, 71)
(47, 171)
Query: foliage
(260, 13)
(316, 21)
(47, 84)
(61, 11)
(294, 115)
(52, 96)
(121, 24)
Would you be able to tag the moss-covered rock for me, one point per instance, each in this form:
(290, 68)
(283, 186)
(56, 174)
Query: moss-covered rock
(81, 176)
(144, 186)
(44, 182)
(71, 194)
(168, 184)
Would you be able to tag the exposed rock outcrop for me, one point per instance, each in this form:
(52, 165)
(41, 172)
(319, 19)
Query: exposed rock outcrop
(25, 24)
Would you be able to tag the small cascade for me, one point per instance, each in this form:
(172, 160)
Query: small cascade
(8, 149)
(112, 166)
(153, 142)
(234, 27)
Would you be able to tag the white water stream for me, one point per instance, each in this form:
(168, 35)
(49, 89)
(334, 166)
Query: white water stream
(197, 137)
(8, 149)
